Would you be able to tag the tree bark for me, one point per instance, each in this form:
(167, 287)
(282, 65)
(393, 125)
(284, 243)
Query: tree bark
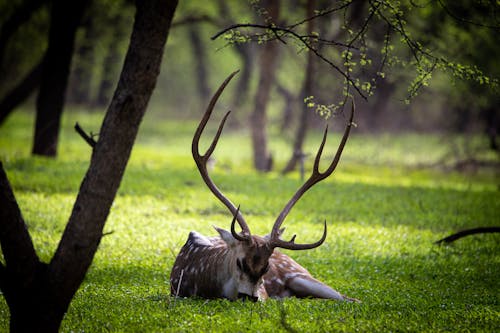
(65, 17)
(308, 90)
(258, 120)
(39, 295)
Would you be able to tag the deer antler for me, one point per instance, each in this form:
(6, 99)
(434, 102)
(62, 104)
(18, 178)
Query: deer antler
(201, 161)
(316, 176)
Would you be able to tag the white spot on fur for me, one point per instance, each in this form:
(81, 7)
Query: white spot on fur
(276, 280)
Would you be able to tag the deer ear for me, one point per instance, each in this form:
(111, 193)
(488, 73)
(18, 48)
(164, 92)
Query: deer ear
(226, 236)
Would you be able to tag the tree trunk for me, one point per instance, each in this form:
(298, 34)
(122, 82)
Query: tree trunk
(65, 17)
(81, 83)
(258, 120)
(21, 92)
(308, 90)
(38, 295)
(113, 58)
(19, 16)
(200, 59)
(289, 100)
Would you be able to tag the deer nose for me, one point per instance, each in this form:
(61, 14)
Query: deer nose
(247, 297)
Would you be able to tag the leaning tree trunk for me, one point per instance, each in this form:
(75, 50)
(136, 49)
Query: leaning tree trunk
(64, 20)
(258, 120)
(22, 14)
(39, 294)
(21, 92)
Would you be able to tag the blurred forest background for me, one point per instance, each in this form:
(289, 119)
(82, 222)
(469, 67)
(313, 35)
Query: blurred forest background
(426, 66)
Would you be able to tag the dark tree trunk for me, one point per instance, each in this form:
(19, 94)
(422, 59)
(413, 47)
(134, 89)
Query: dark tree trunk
(377, 114)
(258, 120)
(308, 90)
(243, 85)
(289, 100)
(81, 83)
(38, 295)
(246, 53)
(200, 60)
(20, 15)
(64, 20)
(21, 92)
(112, 60)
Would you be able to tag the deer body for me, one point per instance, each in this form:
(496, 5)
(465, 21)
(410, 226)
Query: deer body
(239, 264)
(208, 267)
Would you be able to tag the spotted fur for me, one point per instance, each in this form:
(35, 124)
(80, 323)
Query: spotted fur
(223, 267)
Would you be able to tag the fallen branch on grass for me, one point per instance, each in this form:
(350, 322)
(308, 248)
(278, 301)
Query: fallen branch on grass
(467, 232)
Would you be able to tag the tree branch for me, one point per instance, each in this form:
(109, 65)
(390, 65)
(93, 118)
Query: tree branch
(467, 232)
(88, 138)
(304, 39)
(21, 92)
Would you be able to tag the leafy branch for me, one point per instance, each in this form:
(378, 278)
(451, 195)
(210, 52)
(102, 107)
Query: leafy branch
(353, 44)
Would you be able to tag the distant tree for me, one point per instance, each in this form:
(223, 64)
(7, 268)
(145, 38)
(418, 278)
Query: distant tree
(38, 294)
(80, 89)
(20, 92)
(374, 40)
(15, 91)
(64, 20)
(200, 61)
(258, 119)
(20, 15)
(117, 27)
(307, 90)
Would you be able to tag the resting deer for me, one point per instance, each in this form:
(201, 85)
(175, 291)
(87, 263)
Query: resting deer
(241, 265)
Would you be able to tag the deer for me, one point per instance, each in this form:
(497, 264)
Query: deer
(238, 265)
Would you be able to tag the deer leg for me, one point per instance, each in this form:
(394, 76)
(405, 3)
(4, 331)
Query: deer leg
(307, 287)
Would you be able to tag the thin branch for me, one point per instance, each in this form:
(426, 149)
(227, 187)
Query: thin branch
(467, 232)
(302, 38)
(365, 25)
(320, 14)
(88, 138)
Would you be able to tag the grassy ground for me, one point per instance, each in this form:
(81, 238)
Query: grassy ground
(383, 216)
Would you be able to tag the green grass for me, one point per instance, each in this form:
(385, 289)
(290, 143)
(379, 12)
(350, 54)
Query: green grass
(383, 215)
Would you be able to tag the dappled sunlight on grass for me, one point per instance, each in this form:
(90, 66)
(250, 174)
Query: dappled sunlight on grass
(383, 215)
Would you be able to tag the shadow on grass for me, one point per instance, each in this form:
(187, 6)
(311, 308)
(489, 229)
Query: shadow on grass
(448, 288)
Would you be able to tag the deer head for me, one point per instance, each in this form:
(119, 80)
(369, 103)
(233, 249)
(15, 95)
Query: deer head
(234, 265)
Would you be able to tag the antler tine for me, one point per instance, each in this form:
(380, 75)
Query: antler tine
(201, 160)
(316, 176)
(244, 236)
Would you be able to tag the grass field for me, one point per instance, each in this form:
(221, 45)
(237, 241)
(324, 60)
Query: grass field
(383, 214)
